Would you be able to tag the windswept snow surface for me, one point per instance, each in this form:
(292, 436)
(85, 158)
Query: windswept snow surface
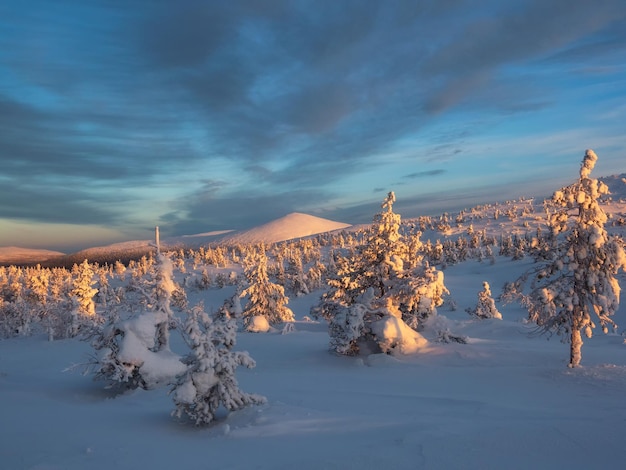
(505, 400)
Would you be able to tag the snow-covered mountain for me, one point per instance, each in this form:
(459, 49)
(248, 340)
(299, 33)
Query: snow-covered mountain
(290, 227)
(17, 255)
(294, 225)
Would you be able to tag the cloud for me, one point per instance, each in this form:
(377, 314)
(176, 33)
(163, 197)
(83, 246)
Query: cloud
(274, 106)
(206, 209)
(525, 31)
(56, 204)
(424, 174)
(487, 43)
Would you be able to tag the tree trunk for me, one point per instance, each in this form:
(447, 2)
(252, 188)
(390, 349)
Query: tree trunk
(576, 344)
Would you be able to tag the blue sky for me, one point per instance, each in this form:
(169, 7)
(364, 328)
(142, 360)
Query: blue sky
(209, 115)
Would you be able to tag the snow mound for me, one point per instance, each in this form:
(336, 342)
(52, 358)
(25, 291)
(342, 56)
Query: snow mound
(258, 324)
(294, 225)
(397, 337)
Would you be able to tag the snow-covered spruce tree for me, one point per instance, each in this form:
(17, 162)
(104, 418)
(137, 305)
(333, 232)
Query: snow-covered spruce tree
(209, 380)
(486, 306)
(580, 279)
(134, 350)
(371, 265)
(15, 319)
(295, 275)
(419, 293)
(83, 311)
(267, 302)
(377, 291)
(82, 289)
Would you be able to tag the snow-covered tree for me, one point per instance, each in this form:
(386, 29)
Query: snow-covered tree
(265, 299)
(83, 308)
(37, 285)
(419, 292)
(486, 306)
(82, 289)
(379, 283)
(296, 277)
(209, 381)
(134, 350)
(580, 279)
(372, 265)
(372, 325)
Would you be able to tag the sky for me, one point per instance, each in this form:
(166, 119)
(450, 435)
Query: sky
(213, 115)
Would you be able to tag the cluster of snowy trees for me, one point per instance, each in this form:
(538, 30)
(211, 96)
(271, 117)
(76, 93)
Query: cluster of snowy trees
(378, 288)
(55, 301)
(133, 350)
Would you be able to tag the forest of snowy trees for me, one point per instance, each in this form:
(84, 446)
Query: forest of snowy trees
(378, 286)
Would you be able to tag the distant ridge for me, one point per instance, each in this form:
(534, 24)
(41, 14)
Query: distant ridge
(289, 227)
(292, 226)
(14, 255)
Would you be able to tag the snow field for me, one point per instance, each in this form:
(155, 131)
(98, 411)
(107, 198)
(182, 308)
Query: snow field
(505, 400)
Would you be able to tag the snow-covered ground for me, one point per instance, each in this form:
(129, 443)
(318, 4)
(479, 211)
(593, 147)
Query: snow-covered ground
(505, 400)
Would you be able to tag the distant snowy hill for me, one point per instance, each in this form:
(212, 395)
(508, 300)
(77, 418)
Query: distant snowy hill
(16, 255)
(289, 227)
(294, 225)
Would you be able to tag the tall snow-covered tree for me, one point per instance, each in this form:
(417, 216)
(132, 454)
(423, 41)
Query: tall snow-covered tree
(82, 289)
(266, 300)
(579, 282)
(379, 283)
(209, 381)
(372, 265)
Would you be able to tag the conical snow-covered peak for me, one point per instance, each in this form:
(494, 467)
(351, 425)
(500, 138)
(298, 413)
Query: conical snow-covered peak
(294, 225)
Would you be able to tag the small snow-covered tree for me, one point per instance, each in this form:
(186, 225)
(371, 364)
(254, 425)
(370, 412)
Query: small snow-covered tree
(580, 278)
(296, 278)
(134, 350)
(347, 327)
(209, 380)
(265, 299)
(486, 306)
